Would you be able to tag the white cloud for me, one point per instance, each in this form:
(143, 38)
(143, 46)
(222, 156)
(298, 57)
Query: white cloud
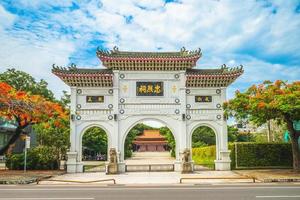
(6, 18)
(36, 59)
(248, 33)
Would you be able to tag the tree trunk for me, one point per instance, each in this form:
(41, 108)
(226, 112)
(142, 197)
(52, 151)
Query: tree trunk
(12, 140)
(294, 135)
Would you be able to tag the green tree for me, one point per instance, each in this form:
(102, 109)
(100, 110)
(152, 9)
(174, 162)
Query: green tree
(54, 134)
(232, 133)
(94, 141)
(165, 131)
(278, 101)
(203, 136)
(65, 100)
(25, 82)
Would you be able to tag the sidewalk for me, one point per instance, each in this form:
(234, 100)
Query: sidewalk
(153, 178)
(271, 175)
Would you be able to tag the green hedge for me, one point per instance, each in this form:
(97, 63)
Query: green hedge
(38, 158)
(250, 155)
(260, 155)
(204, 155)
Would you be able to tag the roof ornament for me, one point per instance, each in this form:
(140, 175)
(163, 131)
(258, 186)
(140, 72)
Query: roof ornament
(224, 67)
(183, 51)
(54, 66)
(73, 67)
(115, 50)
(101, 51)
(58, 68)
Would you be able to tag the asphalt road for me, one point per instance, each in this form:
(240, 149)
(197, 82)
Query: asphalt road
(199, 192)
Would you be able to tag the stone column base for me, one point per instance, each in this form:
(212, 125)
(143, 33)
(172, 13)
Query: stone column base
(222, 165)
(71, 162)
(177, 166)
(79, 167)
(121, 167)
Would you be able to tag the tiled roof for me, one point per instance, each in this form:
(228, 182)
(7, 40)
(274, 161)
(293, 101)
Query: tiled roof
(124, 60)
(150, 134)
(212, 77)
(82, 77)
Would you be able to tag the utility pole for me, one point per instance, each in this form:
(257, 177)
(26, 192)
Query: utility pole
(27, 146)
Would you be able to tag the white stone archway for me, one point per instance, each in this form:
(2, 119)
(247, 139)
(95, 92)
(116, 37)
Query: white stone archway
(135, 86)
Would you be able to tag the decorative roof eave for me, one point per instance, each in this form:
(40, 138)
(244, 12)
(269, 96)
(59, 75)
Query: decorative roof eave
(213, 78)
(80, 77)
(126, 60)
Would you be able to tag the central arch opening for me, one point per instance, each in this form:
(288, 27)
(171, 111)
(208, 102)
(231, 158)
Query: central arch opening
(150, 142)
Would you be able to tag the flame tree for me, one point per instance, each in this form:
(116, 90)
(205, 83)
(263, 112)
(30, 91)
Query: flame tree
(279, 101)
(26, 109)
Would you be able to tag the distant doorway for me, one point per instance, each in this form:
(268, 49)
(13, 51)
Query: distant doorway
(150, 140)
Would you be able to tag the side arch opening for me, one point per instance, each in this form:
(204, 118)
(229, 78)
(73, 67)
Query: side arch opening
(204, 147)
(94, 143)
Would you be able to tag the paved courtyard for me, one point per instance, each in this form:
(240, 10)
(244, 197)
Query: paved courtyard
(145, 178)
(144, 158)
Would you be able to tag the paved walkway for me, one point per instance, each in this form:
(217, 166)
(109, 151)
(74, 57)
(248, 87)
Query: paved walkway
(144, 158)
(146, 178)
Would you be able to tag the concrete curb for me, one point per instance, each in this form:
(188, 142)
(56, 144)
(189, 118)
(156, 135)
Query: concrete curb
(281, 180)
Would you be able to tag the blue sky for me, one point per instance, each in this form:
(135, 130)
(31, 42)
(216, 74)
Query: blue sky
(262, 35)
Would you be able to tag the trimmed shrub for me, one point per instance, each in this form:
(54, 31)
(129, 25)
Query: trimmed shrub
(38, 158)
(249, 155)
(261, 155)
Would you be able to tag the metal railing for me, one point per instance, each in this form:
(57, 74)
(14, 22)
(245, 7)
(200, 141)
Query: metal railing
(219, 178)
(74, 181)
(149, 168)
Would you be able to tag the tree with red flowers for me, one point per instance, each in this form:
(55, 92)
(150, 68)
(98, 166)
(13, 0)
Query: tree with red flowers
(25, 109)
(278, 100)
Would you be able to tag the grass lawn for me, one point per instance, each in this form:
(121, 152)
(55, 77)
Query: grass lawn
(209, 162)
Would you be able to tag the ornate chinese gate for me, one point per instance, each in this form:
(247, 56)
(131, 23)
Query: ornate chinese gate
(137, 86)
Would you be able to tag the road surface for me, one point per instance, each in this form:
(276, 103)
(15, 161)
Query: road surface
(119, 192)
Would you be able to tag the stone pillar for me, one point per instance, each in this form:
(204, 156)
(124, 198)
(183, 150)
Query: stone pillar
(72, 155)
(183, 138)
(223, 163)
(117, 141)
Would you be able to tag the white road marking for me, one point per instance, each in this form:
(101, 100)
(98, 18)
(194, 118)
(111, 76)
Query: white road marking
(141, 188)
(47, 198)
(297, 196)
